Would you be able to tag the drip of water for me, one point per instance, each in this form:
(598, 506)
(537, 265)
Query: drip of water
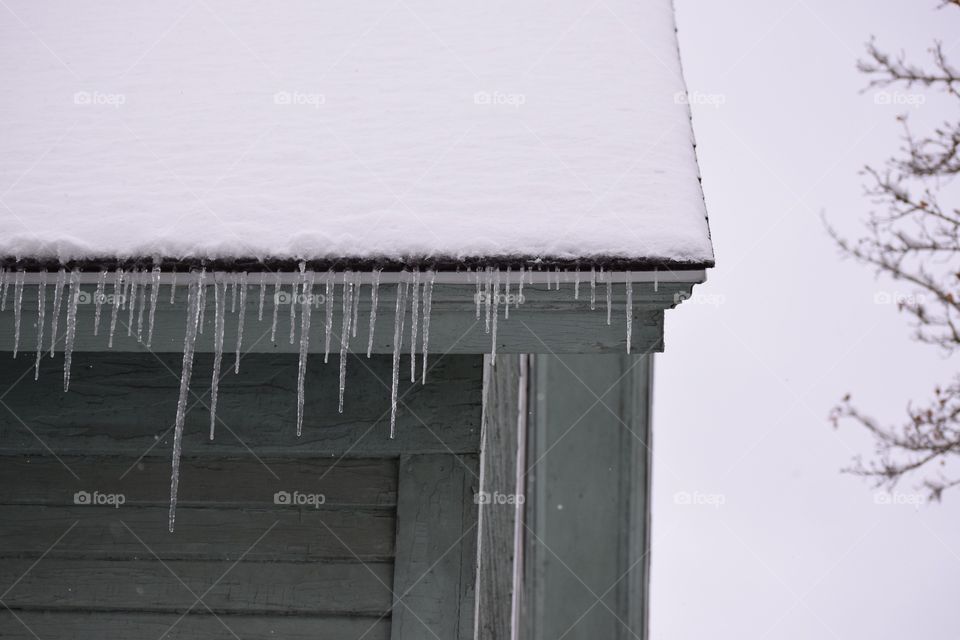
(41, 312)
(72, 303)
(427, 307)
(240, 319)
(219, 305)
(57, 302)
(305, 314)
(399, 313)
(374, 292)
(98, 299)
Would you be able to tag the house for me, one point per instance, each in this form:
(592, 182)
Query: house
(336, 320)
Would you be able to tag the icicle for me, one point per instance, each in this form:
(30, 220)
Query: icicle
(593, 288)
(356, 303)
(629, 311)
(556, 273)
(98, 299)
(263, 294)
(141, 304)
(132, 301)
(414, 324)
(399, 313)
(496, 308)
(304, 346)
(374, 292)
(41, 312)
(173, 286)
(117, 297)
(328, 320)
(478, 297)
(487, 287)
(57, 301)
(523, 274)
(506, 296)
(427, 306)
(154, 297)
(276, 306)
(4, 279)
(240, 319)
(189, 340)
(220, 304)
(609, 297)
(656, 280)
(233, 293)
(576, 284)
(17, 305)
(293, 302)
(202, 300)
(71, 326)
(347, 294)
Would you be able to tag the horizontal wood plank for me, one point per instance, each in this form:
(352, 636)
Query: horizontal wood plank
(30, 625)
(126, 404)
(304, 535)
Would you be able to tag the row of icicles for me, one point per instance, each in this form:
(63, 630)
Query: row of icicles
(137, 292)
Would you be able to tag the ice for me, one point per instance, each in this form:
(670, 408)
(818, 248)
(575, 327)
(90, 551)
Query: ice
(3, 289)
(202, 300)
(576, 284)
(276, 306)
(72, 303)
(414, 324)
(347, 295)
(219, 305)
(305, 314)
(328, 311)
(98, 299)
(523, 274)
(496, 313)
(478, 297)
(356, 303)
(173, 286)
(233, 293)
(141, 304)
(57, 302)
(240, 319)
(593, 288)
(154, 297)
(293, 311)
(263, 294)
(374, 292)
(609, 297)
(41, 312)
(132, 300)
(629, 287)
(117, 297)
(427, 307)
(399, 313)
(487, 290)
(17, 305)
(189, 340)
(506, 295)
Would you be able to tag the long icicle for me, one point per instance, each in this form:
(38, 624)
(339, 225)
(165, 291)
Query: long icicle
(427, 306)
(263, 294)
(347, 311)
(276, 307)
(220, 304)
(496, 313)
(414, 324)
(629, 287)
(173, 286)
(240, 319)
(17, 307)
(609, 297)
(357, 281)
(202, 300)
(4, 280)
(57, 302)
(293, 307)
(399, 313)
(154, 297)
(132, 301)
(41, 312)
(593, 288)
(487, 288)
(576, 284)
(506, 295)
(478, 296)
(141, 305)
(328, 313)
(305, 314)
(117, 297)
(189, 341)
(72, 303)
(374, 292)
(98, 299)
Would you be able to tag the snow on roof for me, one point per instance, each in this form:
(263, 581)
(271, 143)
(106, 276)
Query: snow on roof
(363, 130)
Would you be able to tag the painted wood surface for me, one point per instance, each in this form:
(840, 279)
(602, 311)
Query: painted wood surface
(435, 575)
(588, 508)
(547, 321)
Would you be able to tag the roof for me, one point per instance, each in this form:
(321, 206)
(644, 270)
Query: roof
(393, 130)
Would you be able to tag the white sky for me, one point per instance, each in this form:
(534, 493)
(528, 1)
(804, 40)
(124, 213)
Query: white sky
(797, 550)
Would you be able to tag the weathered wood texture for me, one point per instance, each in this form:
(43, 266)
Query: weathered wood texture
(125, 404)
(502, 499)
(547, 321)
(588, 489)
(435, 576)
(118, 625)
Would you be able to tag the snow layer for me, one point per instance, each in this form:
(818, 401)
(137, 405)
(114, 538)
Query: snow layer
(346, 129)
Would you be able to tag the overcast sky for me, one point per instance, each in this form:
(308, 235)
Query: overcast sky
(783, 329)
